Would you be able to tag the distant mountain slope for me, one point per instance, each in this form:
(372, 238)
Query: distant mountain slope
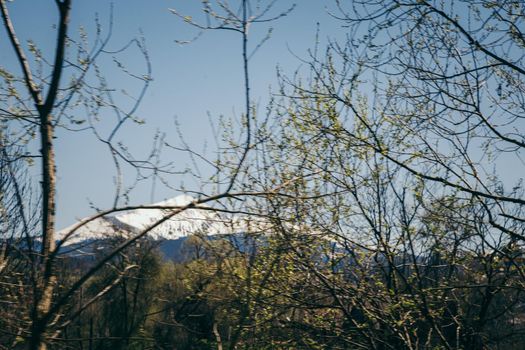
(132, 222)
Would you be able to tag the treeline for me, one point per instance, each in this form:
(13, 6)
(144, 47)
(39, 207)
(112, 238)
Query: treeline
(290, 290)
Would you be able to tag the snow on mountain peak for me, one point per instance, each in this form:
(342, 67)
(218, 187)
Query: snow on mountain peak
(134, 221)
(179, 200)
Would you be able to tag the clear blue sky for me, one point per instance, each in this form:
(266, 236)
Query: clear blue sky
(189, 81)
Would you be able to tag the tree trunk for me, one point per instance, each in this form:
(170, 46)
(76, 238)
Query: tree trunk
(46, 283)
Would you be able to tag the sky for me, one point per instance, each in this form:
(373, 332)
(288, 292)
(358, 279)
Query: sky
(192, 83)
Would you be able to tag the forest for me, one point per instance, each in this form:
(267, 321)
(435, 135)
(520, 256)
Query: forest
(375, 200)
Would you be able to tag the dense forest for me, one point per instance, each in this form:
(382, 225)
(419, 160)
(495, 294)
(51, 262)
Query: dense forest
(376, 202)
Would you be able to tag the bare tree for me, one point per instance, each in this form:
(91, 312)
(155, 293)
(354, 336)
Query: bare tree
(43, 102)
(400, 136)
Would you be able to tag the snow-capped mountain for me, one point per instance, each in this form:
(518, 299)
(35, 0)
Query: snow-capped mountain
(131, 222)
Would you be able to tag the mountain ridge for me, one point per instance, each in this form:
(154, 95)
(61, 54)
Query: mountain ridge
(134, 221)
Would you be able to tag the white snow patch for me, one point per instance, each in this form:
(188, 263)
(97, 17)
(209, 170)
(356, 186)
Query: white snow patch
(135, 221)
